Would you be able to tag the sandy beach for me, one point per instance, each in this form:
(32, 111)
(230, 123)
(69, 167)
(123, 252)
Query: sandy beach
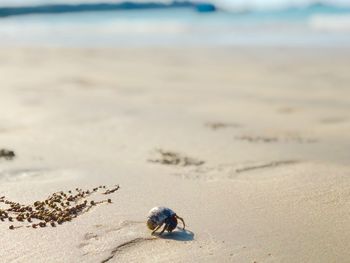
(259, 139)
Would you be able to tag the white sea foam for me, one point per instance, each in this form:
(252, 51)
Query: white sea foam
(14, 29)
(174, 27)
(82, 33)
(330, 23)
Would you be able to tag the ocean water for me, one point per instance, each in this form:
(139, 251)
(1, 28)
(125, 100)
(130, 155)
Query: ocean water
(277, 23)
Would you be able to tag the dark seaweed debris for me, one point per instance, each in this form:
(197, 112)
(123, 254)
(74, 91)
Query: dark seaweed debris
(58, 208)
(173, 158)
(7, 154)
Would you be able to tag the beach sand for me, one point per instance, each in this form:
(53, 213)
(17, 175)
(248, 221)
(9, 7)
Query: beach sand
(260, 138)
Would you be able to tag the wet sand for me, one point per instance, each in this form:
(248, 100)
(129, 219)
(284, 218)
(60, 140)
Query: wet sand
(250, 146)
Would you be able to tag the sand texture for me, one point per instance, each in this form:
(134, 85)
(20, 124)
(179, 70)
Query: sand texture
(250, 146)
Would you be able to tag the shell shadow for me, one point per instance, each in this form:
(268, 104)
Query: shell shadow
(179, 235)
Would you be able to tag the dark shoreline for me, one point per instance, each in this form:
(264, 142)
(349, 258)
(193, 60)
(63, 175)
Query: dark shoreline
(99, 7)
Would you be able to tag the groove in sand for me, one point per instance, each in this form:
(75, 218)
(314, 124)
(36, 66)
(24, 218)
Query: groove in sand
(125, 245)
(265, 165)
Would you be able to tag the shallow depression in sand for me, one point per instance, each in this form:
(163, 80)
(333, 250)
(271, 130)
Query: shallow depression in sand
(36, 174)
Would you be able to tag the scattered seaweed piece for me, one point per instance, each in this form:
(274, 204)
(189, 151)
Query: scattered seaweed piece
(58, 208)
(275, 139)
(173, 158)
(221, 125)
(7, 154)
(264, 139)
(333, 120)
(110, 191)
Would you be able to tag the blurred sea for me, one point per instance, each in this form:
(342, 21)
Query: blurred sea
(305, 24)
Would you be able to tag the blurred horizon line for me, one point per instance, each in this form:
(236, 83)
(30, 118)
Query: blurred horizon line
(205, 6)
(103, 6)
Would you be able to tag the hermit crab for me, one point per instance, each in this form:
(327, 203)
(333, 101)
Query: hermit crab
(159, 216)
